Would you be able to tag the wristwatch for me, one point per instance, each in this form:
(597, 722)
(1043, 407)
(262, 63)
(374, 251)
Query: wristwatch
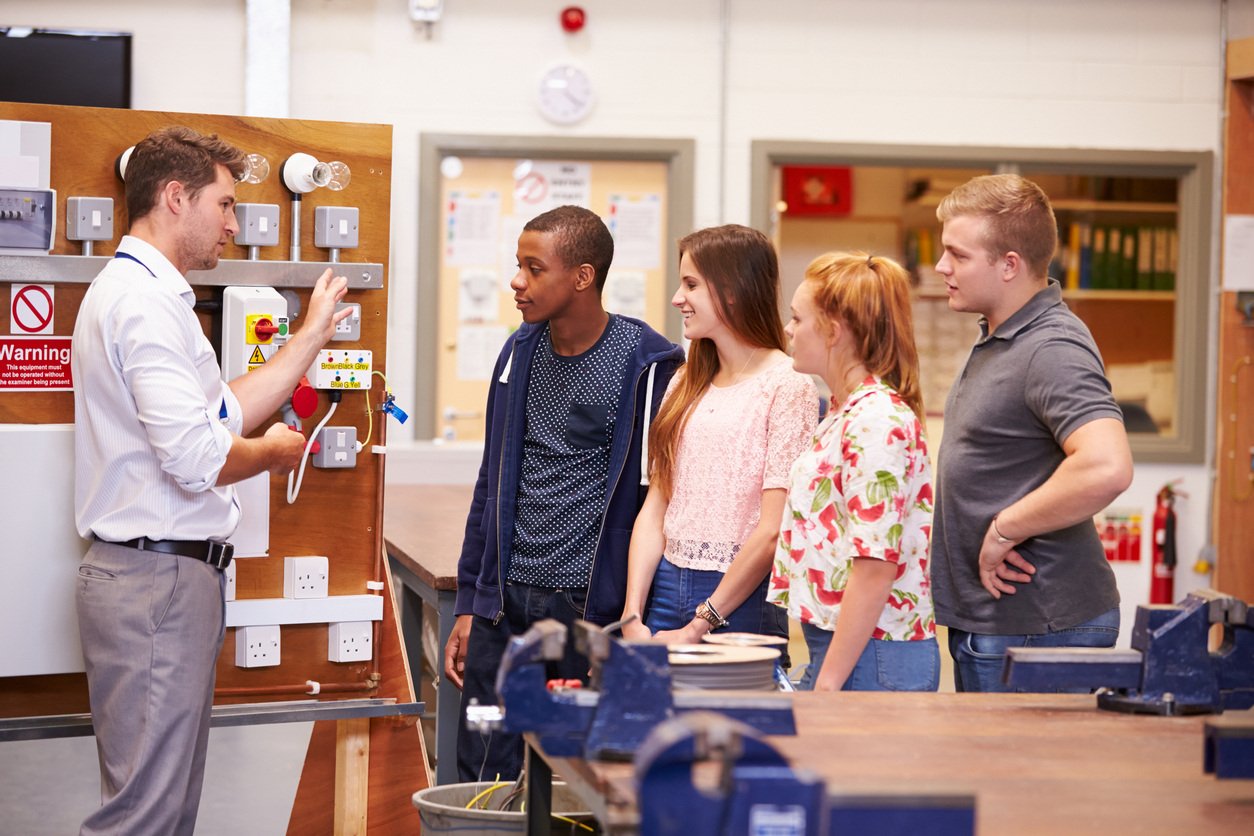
(706, 612)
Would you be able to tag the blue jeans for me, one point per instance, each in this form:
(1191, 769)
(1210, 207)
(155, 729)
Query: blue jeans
(883, 665)
(676, 592)
(484, 757)
(979, 659)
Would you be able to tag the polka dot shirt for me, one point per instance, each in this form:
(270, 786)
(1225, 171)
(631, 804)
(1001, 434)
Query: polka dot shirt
(571, 407)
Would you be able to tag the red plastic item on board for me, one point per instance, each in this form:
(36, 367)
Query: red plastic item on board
(1163, 548)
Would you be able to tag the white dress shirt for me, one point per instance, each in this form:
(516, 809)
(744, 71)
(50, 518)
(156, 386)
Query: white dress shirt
(153, 417)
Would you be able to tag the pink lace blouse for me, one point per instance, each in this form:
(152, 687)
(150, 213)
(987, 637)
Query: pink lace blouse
(739, 441)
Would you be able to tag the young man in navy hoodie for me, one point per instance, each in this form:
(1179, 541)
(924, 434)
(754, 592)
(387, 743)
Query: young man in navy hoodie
(571, 398)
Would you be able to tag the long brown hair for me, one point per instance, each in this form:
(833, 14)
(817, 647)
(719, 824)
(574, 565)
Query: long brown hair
(739, 265)
(870, 296)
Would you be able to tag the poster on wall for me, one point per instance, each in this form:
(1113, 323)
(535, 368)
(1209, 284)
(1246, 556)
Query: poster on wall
(1238, 252)
(472, 221)
(478, 295)
(636, 224)
(625, 293)
(511, 231)
(541, 185)
(477, 349)
(823, 190)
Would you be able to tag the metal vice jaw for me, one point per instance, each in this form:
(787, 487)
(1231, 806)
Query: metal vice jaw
(703, 774)
(629, 694)
(1169, 670)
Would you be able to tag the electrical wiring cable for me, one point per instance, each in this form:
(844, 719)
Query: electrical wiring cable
(294, 480)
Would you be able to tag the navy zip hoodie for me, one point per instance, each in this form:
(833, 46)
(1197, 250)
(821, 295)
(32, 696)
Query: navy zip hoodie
(489, 535)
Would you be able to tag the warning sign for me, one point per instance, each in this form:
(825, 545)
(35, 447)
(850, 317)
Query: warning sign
(30, 364)
(257, 357)
(30, 308)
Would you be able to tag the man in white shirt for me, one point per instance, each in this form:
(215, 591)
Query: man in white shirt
(159, 443)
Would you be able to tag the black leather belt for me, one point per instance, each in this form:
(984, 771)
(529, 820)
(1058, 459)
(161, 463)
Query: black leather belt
(215, 554)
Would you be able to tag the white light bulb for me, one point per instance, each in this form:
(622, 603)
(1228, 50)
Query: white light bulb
(340, 176)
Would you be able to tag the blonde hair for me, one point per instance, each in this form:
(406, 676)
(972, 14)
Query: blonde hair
(741, 268)
(870, 296)
(1018, 217)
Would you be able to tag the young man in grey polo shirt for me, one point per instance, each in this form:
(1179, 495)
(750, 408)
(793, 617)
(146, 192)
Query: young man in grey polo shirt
(1034, 445)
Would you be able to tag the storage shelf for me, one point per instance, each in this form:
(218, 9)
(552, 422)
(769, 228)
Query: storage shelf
(1066, 204)
(1121, 295)
(1079, 295)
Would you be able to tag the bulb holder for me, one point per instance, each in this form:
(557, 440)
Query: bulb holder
(302, 173)
(119, 165)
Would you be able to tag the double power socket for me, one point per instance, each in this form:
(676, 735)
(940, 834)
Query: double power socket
(259, 646)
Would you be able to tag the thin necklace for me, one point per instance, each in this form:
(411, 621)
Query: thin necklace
(752, 354)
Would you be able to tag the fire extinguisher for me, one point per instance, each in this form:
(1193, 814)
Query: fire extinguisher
(1163, 546)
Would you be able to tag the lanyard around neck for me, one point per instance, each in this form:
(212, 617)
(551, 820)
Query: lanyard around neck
(120, 254)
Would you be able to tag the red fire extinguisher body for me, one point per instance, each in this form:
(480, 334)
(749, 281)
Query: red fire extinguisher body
(1163, 548)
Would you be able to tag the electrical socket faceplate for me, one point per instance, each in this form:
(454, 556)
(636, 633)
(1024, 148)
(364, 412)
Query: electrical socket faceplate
(341, 368)
(258, 224)
(348, 328)
(228, 575)
(350, 641)
(257, 646)
(305, 577)
(338, 447)
(335, 227)
(89, 218)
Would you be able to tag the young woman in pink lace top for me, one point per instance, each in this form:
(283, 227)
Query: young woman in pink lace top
(853, 549)
(734, 418)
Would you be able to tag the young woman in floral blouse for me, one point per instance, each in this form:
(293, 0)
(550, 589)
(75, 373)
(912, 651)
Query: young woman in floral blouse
(734, 418)
(852, 559)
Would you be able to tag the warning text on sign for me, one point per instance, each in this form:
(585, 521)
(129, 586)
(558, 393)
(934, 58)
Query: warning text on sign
(35, 364)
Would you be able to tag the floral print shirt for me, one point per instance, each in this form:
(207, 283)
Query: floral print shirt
(862, 489)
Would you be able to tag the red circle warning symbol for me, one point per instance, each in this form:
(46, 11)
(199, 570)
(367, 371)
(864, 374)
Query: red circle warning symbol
(531, 188)
(31, 312)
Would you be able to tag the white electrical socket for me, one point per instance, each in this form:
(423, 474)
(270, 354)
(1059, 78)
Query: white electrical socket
(257, 646)
(305, 577)
(229, 575)
(350, 641)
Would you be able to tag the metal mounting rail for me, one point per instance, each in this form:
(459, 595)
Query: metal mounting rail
(250, 714)
(81, 269)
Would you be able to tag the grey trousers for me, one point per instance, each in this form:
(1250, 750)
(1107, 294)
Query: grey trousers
(151, 627)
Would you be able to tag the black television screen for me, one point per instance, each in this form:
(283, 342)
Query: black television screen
(65, 67)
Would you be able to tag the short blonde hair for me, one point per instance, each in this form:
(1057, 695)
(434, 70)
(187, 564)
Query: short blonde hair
(1018, 215)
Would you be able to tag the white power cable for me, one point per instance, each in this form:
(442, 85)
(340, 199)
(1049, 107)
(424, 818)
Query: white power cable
(293, 489)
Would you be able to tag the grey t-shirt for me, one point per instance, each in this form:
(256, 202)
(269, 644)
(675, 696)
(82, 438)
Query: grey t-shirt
(571, 410)
(1024, 389)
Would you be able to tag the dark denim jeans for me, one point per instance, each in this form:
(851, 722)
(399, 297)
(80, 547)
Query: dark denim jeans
(883, 665)
(676, 592)
(979, 659)
(485, 757)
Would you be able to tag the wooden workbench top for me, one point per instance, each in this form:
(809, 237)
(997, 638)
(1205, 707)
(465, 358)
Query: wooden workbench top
(1037, 764)
(423, 527)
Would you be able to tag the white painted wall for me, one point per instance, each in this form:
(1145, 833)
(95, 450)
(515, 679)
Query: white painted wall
(1137, 74)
